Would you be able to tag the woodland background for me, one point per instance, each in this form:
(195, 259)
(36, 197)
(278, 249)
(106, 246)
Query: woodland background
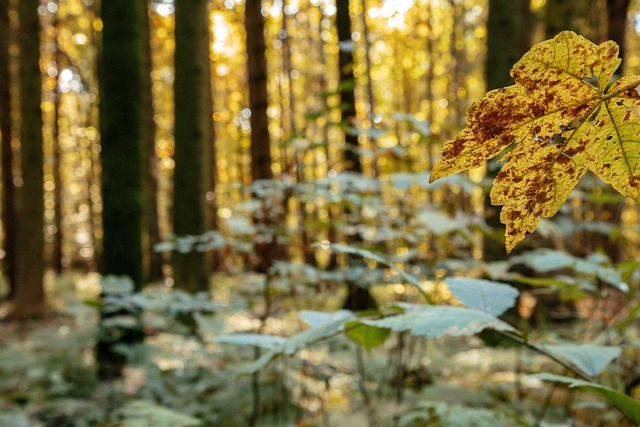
(203, 157)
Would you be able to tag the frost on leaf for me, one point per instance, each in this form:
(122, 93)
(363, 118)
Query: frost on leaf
(560, 119)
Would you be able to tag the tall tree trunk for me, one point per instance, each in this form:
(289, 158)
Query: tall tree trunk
(347, 85)
(29, 290)
(507, 41)
(120, 124)
(561, 15)
(121, 136)
(193, 115)
(358, 297)
(56, 256)
(617, 11)
(258, 103)
(153, 259)
(6, 152)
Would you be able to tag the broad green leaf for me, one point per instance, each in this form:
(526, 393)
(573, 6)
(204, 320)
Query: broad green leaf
(437, 222)
(368, 336)
(437, 321)
(368, 254)
(545, 260)
(560, 119)
(629, 406)
(312, 335)
(296, 342)
(258, 340)
(142, 413)
(491, 297)
(317, 318)
(116, 285)
(591, 359)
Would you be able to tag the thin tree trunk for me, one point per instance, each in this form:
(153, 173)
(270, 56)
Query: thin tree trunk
(29, 289)
(258, 103)
(56, 256)
(153, 261)
(358, 297)
(6, 153)
(347, 85)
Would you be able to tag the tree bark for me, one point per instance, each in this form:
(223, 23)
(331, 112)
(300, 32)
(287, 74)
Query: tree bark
(6, 150)
(258, 101)
(561, 15)
(358, 297)
(120, 71)
(120, 125)
(265, 251)
(617, 11)
(29, 290)
(347, 86)
(193, 115)
(153, 259)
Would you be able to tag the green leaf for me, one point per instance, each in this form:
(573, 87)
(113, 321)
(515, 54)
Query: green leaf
(318, 318)
(368, 336)
(591, 359)
(258, 340)
(142, 413)
(312, 335)
(116, 285)
(368, 254)
(629, 406)
(491, 297)
(322, 329)
(437, 321)
(438, 223)
(545, 260)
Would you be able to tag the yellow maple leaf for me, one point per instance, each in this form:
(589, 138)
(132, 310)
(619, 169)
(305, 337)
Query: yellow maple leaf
(561, 118)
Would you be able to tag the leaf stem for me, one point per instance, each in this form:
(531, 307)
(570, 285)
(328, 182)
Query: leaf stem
(623, 89)
(522, 341)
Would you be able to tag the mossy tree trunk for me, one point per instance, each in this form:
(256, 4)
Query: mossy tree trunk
(29, 290)
(120, 74)
(358, 297)
(508, 38)
(6, 152)
(193, 115)
(265, 251)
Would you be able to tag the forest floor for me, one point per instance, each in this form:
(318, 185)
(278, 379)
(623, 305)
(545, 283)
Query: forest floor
(183, 377)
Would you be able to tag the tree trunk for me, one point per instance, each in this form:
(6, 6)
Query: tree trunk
(6, 152)
(258, 103)
(347, 85)
(193, 115)
(153, 259)
(617, 11)
(561, 15)
(121, 136)
(358, 297)
(29, 290)
(120, 125)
